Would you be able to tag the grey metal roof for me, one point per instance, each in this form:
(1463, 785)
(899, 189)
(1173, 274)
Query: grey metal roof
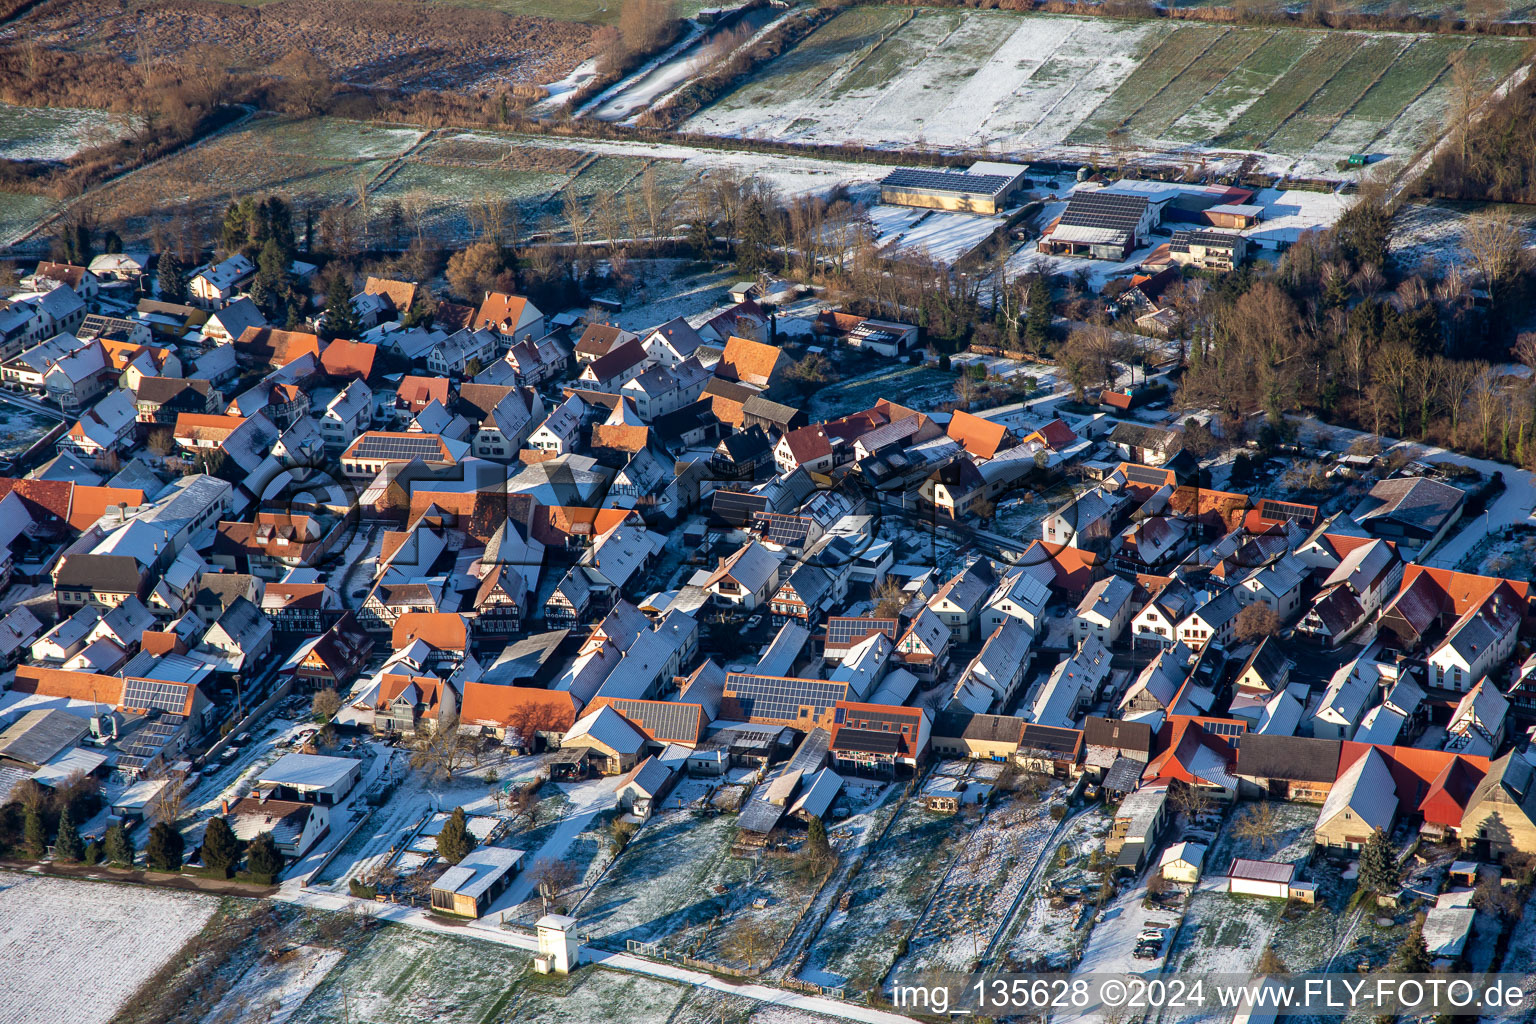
(759, 816)
(477, 872)
(39, 736)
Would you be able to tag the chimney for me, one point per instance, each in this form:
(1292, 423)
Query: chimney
(224, 807)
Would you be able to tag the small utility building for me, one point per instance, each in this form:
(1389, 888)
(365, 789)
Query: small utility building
(1260, 878)
(467, 888)
(984, 188)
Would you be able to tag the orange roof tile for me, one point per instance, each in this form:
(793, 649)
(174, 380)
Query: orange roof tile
(500, 312)
(201, 426)
(57, 682)
(401, 294)
(750, 362)
(392, 686)
(277, 347)
(501, 706)
(88, 503)
(51, 497)
(622, 436)
(446, 631)
(344, 358)
(421, 392)
(980, 437)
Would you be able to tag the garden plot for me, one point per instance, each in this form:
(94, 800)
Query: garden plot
(1087, 88)
(1045, 928)
(597, 997)
(919, 387)
(86, 946)
(1223, 933)
(973, 902)
(479, 825)
(763, 912)
(676, 875)
(857, 945)
(20, 429)
(276, 987)
(406, 975)
(58, 133)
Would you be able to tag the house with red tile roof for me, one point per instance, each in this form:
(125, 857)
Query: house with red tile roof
(511, 316)
(981, 437)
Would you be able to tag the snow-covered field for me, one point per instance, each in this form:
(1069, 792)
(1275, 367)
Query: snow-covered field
(57, 133)
(77, 951)
(1096, 88)
(276, 987)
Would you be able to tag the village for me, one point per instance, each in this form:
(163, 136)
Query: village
(873, 573)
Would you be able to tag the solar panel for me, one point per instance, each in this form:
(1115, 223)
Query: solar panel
(781, 697)
(845, 631)
(1045, 737)
(786, 531)
(946, 181)
(1104, 210)
(737, 508)
(152, 694)
(403, 449)
(868, 741)
(1269, 508)
(1146, 475)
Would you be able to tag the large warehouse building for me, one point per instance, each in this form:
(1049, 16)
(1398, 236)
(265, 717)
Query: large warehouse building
(985, 187)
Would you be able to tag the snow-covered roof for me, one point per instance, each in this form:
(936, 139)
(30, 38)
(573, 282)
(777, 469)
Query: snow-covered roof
(1366, 788)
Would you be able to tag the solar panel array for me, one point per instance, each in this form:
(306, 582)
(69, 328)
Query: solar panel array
(845, 631)
(1045, 737)
(1269, 508)
(1146, 475)
(1104, 210)
(781, 697)
(868, 741)
(863, 718)
(737, 508)
(403, 449)
(1225, 728)
(945, 181)
(152, 694)
(665, 720)
(786, 531)
(1182, 240)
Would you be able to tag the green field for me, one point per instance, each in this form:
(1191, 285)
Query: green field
(1053, 86)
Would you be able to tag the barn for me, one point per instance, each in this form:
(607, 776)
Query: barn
(984, 188)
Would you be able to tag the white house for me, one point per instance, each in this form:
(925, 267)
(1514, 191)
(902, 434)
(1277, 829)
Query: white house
(216, 284)
(1021, 596)
(1105, 610)
(1481, 639)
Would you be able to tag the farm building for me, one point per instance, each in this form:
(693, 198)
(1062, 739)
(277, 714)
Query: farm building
(1101, 225)
(1234, 216)
(468, 887)
(1210, 250)
(984, 188)
(1260, 878)
(1138, 824)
